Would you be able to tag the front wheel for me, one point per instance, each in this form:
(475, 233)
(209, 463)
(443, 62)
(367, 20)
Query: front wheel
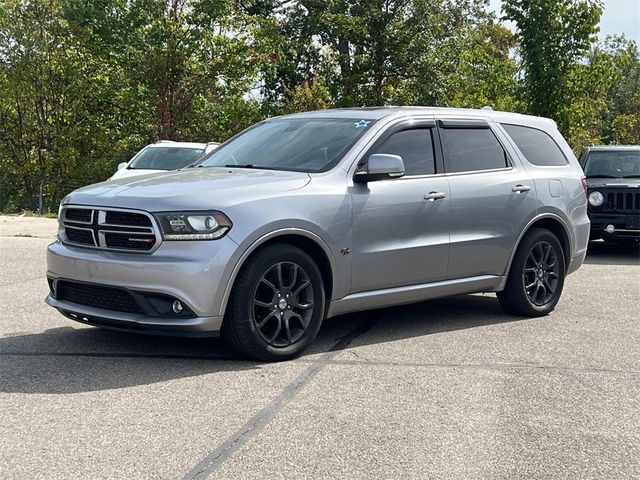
(536, 277)
(277, 304)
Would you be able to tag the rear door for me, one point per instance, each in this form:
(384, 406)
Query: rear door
(492, 198)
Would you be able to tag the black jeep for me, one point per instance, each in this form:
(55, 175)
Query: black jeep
(613, 183)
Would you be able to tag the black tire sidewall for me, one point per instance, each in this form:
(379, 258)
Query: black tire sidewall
(241, 317)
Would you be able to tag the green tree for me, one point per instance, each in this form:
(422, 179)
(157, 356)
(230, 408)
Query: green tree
(84, 84)
(604, 101)
(376, 52)
(621, 123)
(54, 107)
(487, 72)
(554, 35)
(182, 60)
(307, 97)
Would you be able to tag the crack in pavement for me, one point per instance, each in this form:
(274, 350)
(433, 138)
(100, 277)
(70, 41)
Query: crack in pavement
(488, 366)
(251, 428)
(323, 361)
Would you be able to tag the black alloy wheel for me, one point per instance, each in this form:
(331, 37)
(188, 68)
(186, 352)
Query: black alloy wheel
(536, 276)
(277, 304)
(541, 273)
(283, 304)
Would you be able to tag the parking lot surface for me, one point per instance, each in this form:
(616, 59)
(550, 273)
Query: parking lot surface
(452, 388)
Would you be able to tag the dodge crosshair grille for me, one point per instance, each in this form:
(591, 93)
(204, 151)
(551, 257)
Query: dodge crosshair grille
(108, 229)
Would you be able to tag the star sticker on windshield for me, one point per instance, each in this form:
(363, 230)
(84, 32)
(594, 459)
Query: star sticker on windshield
(361, 123)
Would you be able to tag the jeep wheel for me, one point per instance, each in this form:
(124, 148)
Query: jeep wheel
(536, 278)
(277, 304)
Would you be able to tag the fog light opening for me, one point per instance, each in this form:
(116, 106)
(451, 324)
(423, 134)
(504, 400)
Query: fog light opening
(610, 228)
(176, 306)
(52, 287)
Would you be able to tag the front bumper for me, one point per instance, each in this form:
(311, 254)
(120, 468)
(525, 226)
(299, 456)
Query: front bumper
(129, 322)
(625, 225)
(195, 273)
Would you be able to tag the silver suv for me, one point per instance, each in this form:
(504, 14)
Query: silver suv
(314, 215)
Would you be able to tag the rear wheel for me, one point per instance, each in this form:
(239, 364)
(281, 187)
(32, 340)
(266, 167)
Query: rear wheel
(277, 304)
(536, 277)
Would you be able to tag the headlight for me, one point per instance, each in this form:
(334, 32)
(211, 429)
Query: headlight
(193, 225)
(596, 198)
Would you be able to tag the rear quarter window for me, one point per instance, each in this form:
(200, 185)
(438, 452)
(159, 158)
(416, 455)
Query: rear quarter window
(537, 146)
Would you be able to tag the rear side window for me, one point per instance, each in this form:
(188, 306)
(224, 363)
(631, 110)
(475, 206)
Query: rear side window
(472, 149)
(416, 149)
(537, 146)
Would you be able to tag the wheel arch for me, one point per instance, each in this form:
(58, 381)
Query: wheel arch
(553, 223)
(308, 241)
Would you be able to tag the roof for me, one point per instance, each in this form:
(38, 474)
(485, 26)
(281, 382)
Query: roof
(376, 113)
(613, 148)
(170, 143)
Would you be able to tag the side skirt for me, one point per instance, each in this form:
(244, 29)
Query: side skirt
(389, 297)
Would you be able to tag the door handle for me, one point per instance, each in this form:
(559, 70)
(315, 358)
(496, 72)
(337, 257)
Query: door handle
(432, 196)
(521, 188)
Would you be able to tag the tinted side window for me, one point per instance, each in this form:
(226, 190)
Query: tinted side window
(470, 149)
(537, 147)
(416, 149)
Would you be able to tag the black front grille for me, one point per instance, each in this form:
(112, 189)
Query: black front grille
(77, 235)
(127, 218)
(97, 296)
(622, 201)
(129, 241)
(109, 229)
(78, 215)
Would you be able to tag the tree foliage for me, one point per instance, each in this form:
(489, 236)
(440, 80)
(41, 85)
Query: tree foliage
(554, 35)
(84, 84)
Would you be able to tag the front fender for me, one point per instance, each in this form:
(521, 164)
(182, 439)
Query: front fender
(264, 235)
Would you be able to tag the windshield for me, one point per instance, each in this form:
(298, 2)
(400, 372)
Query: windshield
(165, 158)
(295, 144)
(613, 164)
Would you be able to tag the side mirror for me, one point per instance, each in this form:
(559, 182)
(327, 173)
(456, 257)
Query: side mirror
(380, 166)
(122, 165)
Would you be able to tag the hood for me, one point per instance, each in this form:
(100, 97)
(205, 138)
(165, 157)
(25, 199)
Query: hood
(192, 189)
(596, 182)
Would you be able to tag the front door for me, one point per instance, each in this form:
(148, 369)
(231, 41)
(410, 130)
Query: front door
(401, 226)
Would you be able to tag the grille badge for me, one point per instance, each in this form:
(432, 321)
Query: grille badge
(136, 239)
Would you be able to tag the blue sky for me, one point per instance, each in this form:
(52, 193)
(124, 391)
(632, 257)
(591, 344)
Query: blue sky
(620, 16)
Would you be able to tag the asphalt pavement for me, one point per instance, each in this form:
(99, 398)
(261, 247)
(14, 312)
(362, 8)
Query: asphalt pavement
(452, 388)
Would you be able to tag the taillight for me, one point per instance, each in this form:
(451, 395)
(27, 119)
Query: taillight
(584, 186)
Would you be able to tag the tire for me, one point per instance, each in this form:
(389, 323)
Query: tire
(261, 325)
(536, 277)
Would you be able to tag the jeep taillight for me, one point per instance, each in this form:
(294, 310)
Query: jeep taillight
(584, 186)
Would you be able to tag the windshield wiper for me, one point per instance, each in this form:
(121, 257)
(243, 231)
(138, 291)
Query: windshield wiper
(631, 176)
(602, 176)
(245, 165)
(251, 165)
